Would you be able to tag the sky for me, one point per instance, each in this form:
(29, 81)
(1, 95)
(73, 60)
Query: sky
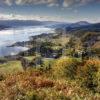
(51, 10)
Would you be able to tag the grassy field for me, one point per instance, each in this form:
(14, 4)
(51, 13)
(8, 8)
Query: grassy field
(11, 67)
(66, 78)
(30, 58)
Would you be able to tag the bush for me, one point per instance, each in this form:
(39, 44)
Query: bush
(91, 73)
(32, 84)
(33, 96)
(46, 65)
(3, 60)
(2, 77)
(65, 67)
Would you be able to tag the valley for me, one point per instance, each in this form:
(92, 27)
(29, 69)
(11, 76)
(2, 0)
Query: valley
(61, 64)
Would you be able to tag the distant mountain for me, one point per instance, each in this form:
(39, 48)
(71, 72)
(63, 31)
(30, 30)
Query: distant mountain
(18, 23)
(3, 27)
(83, 23)
(86, 27)
(57, 25)
(78, 24)
(92, 27)
(68, 25)
(50, 24)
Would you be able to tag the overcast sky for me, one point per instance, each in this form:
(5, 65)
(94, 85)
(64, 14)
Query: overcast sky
(53, 10)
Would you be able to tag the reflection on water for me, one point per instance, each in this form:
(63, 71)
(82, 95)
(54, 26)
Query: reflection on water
(10, 36)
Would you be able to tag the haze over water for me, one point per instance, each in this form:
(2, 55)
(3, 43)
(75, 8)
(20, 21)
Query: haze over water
(13, 35)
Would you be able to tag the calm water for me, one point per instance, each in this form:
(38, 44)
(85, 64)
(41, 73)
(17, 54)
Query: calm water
(10, 36)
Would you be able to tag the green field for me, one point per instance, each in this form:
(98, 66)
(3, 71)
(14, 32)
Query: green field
(11, 67)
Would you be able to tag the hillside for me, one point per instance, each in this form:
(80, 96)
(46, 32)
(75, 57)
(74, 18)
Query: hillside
(64, 65)
(50, 24)
(2, 27)
(86, 27)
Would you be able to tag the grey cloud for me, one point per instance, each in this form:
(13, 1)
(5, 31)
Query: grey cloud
(9, 2)
(21, 2)
(68, 3)
(65, 3)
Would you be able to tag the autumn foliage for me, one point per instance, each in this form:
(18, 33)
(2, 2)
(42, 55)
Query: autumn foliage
(71, 79)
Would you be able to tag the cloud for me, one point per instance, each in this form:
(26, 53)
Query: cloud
(50, 3)
(25, 2)
(7, 2)
(36, 2)
(68, 3)
(31, 17)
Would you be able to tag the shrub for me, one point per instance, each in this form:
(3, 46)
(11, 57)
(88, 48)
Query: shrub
(46, 65)
(31, 95)
(65, 67)
(2, 77)
(91, 73)
(3, 60)
(34, 85)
